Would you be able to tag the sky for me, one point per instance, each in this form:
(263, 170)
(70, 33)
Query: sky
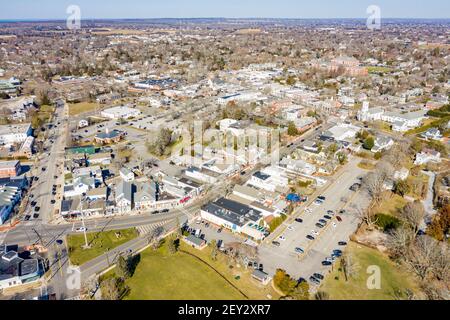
(104, 9)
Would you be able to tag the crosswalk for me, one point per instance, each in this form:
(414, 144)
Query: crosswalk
(143, 230)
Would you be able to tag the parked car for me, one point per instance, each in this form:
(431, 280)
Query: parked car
(318, 225)
(37, 209)
(322, 221)
(342, 243)
(299, 250)
(318, 276)
(314, 280)
(81, 229)
(310, 237)
(330, 212)
(338, 218)
(276, 243)
(36, 215)
(27, 217)
(326, 263)
(355, 187)
(327, 217)
(53, 201)
(299, 220)
(281, 238)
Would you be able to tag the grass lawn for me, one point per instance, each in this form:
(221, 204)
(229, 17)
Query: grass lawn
(393, 278)
(82, 107)
(182, 276)
(366, 165)
(99, 241)
(391, 204)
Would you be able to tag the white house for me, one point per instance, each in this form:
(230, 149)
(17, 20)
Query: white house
(401, 174)
(126, 174)
(297, 166)
(426, 156)
(432, 134)
(124, 197)
(382, 143)
(80, 186)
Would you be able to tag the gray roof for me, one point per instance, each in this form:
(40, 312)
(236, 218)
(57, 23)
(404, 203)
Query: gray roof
(232, 211)
(195, 240)
(260, 274)
(147, 190)
(124, 189)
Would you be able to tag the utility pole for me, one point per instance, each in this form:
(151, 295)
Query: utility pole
(86, 245)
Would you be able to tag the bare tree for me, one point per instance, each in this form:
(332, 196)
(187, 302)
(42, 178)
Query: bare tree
(399, 242)
(366, 216)
(349, 267)
(375, 181)
(421, 257)
(412, 215)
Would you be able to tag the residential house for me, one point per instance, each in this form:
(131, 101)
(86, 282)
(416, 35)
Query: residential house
(126, 174)
(426, 156)
(123, 197)
(432, 134)
(382, 143)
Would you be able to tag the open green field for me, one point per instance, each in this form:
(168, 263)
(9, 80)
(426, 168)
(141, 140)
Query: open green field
(82, 107)
(393, 279)
(376, 69)
(182, 276)
(99, 242)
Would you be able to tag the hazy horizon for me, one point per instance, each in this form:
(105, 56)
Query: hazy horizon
(24, 10)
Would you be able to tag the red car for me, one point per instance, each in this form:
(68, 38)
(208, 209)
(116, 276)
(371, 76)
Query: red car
(339, 218)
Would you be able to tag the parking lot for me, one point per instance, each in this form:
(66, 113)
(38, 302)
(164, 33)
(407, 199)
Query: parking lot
(303, 265)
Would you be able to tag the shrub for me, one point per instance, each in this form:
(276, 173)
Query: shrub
(387, 222)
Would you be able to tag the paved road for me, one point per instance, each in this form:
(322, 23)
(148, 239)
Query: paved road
(430, 211)
(317, 250)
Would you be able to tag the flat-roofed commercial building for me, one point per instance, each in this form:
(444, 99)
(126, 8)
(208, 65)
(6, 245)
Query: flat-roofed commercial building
(121, 112)
(9, 169)
(235, 217)
(14, 133)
